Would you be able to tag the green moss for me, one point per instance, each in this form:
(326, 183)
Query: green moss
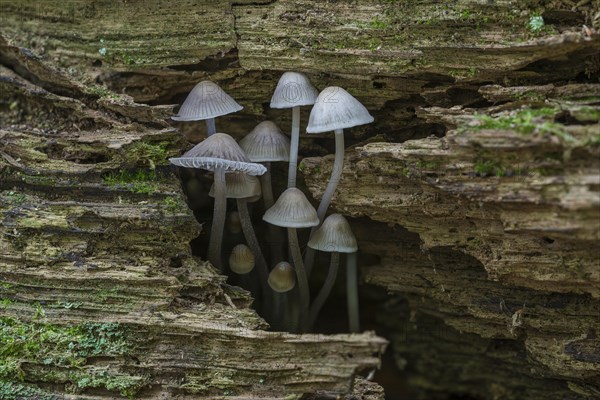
(173, 205)
(18, 391)
(151, 153)
(377, 23)
(45, 344)
(140, 181)
(523, 121)
(13, 197)
(489, 168)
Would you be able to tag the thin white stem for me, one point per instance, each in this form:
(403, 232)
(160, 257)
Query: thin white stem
(218, 222)
(211, 129)
(352, 292)
(295, 139)
(248, 229)
(319, 301)
(275, 234)
(301, 277)
(334, 179)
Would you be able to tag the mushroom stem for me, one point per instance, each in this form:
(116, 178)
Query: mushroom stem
(218, 222)
(295, 139)
(211, 129)
(246, 222)
(336, 173)
(275, 242)
(352, 292)
(301, 277)
(280, 306)
(319, 301)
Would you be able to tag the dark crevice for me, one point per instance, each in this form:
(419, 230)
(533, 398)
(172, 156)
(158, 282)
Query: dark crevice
(212, 63)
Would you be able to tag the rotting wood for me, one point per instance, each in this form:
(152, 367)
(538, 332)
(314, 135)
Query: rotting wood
(95, 252)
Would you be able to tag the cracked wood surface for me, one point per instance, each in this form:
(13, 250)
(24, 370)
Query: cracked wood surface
(484, 239)
(84, 239)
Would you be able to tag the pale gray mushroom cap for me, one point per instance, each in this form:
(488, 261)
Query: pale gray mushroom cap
(292, 210)
(336, 109)
(206, 100)
(239, 186)
(335, 235)
(293, 89)
(219, 151)
(266, 143)
(241, 259)
(282, 278)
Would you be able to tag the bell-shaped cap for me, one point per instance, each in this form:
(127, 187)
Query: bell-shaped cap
(292, 210)
(206, 100)
(219, 151)
(335, 235)
(293, 89)
(336, 109)
(241, 259)
(266, 143)
(239, 186)
(282, 278)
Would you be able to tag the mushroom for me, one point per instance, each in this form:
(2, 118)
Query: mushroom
(282, 279)
(334, 110)
(293, 91)
(206, 101)
(335, 236)
(221, 154)
(266, 144)
(292, 210)
(241, 259)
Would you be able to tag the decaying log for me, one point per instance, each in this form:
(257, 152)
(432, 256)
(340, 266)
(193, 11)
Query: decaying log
(100, 293)
(483, 233)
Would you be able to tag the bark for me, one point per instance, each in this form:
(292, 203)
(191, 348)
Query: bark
(95, 252)
(483, 234)
(486, 238)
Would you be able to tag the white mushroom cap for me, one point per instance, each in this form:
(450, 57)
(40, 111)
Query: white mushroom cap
(336, 109)
(335, 235)
(282, 278)
(219, 151)
(266, 143)
(239, 186)
(293, 89)
(206, 100)
(292, 210)
(241, 259)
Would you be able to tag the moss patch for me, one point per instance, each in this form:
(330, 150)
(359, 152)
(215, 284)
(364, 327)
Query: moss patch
(29, 350)
(139, 181)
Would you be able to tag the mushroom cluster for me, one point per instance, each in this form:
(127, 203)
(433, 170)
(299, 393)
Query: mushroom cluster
(277, 274)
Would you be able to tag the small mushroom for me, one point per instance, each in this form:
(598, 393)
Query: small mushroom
(282, 278)
(221, 154)
(206, 101)
(335, 236)
(334, 110)
(293, 91)
(292, 210)
(241, 259)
